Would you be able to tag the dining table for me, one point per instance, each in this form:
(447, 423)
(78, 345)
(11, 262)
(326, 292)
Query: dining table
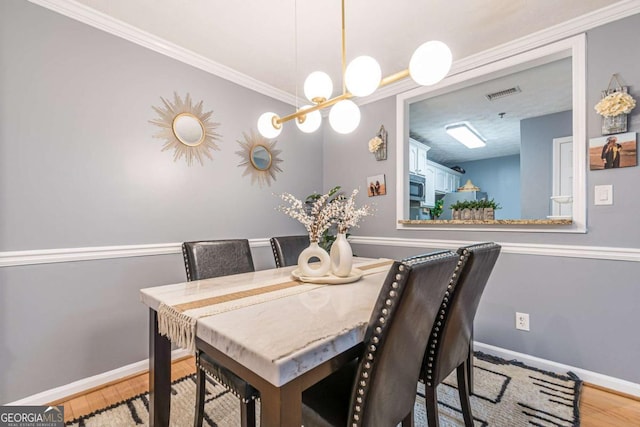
(278, 331)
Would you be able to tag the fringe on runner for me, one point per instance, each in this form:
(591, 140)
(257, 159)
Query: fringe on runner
(180, 328)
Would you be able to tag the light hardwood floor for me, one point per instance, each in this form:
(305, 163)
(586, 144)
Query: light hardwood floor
(598, 407)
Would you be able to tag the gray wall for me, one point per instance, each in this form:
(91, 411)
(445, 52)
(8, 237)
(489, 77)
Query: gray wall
(536, 160)
(79, 168)
(500, 178)
(583, 311)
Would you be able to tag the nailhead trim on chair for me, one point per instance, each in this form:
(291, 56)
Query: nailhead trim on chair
(444, 314)
(441, 318)
(220, 381)
(380, 330)
(275, 255)
(186, 262)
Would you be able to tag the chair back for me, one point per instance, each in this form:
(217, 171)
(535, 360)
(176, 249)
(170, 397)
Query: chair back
(450, 338)
(213, 258)
(286, 249)
(385, 388)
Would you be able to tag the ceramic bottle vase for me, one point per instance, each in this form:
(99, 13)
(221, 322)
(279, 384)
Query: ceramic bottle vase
(315, 269)
(341, 256)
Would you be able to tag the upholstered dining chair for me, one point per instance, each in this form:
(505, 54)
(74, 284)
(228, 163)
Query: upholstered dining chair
(449, 346)
(286, 249)
(379, 389)
(204, 260)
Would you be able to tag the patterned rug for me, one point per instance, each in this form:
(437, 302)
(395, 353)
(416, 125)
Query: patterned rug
(507, 394)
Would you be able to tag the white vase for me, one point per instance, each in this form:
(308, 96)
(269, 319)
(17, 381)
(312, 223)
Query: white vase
(316, 269)
(341, 256)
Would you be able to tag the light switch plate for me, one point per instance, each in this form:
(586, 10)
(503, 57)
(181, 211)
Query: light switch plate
(603, 195)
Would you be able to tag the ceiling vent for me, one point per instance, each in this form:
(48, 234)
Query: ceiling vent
(502, 93)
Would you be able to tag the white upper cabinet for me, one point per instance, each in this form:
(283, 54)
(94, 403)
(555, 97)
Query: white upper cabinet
(417, 157)
(446, 180)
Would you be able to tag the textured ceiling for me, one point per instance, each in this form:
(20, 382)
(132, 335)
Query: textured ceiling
(545, 89)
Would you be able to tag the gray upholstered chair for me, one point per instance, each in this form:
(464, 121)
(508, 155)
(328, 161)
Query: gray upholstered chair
(286, 249)
(204, 260)
(449, 346)
(379, 389)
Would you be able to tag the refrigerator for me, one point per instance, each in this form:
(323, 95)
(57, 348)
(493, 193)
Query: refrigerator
(459, 196)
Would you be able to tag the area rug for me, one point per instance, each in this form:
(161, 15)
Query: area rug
(507, 394)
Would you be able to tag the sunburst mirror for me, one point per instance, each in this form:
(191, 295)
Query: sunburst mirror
(186, 129)
(259, 158)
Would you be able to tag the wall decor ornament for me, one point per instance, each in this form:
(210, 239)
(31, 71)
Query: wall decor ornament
(613, 152)
(260, 158)
(186, 129)
(378, 144)
(614, 106)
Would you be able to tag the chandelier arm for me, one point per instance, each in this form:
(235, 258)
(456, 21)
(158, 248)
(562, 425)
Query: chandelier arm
(394, 78)
(329, 102)
(320, 106)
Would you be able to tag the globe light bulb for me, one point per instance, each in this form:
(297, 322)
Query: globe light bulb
(430, 63)
(266, 127)
(311, 122)
(363, 76)
(344, 117)
(318, 87)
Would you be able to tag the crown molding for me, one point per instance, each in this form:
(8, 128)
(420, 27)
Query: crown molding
(531, 41)
(99, 20)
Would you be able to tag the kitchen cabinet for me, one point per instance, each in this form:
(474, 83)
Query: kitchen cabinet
(429, 186)
(413, 159)
(446, 180)
(417, 157)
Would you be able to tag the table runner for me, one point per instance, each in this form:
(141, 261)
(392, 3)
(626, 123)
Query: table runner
(178, 322)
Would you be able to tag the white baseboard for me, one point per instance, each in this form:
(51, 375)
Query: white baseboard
(601, 380)
(79, 386)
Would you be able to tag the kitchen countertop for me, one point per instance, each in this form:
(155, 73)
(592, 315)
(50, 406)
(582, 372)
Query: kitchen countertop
(568, 221)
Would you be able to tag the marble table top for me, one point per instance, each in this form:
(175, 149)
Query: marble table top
(283, 338)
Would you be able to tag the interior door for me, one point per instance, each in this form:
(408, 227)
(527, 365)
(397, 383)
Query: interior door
(562, 176)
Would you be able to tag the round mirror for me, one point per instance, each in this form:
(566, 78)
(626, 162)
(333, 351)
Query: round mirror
(260, 157)
(188, 129)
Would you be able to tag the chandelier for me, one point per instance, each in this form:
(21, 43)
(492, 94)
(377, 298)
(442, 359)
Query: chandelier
(429, 64)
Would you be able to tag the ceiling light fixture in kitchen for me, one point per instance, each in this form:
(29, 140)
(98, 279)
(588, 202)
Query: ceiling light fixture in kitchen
(466, 134)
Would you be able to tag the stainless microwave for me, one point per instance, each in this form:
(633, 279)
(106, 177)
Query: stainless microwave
(416, 187)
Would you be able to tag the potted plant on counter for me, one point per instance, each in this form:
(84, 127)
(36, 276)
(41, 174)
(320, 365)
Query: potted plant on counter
(488, 208)
(474, 209)
(461, 210)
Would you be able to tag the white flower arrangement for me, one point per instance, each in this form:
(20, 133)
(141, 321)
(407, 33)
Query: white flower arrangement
(615, 104)
(374, 144)
(350, 215)
(316, 219)
(318, 216)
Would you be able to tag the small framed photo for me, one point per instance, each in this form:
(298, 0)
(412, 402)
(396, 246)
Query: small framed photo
(613, 151)
(376, 185)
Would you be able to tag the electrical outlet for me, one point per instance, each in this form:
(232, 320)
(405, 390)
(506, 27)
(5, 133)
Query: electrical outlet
(522, 321)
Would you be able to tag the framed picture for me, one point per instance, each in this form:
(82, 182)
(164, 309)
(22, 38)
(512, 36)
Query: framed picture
(376, 185)
(613, 151)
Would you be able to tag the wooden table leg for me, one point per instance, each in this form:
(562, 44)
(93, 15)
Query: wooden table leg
(159, 374)
(281, 407)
